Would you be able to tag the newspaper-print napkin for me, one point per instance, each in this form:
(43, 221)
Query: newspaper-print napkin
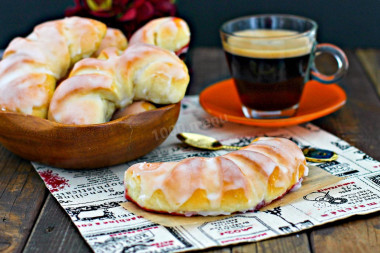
(92, 198)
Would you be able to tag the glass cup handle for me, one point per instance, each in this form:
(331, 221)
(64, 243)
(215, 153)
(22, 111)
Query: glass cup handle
(340, 58)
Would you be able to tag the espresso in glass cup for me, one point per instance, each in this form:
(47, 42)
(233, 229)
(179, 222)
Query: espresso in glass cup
(270, 58)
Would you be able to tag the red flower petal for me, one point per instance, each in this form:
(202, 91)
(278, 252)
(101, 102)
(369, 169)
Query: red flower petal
(160, 1)
(122, 2)
(102, 14)
(129, 15)
(146, 11)
(129, 28)
(138, 3)
(166, 7)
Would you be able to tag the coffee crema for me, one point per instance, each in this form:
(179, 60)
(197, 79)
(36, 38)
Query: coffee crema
(264, 43)
(269, 67)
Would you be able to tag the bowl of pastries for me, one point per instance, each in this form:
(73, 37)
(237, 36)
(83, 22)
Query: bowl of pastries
(76, 94)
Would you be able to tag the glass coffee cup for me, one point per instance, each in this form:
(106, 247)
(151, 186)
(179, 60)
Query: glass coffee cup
(271, 57)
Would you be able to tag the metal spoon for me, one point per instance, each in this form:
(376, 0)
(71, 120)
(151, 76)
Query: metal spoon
(205, 142)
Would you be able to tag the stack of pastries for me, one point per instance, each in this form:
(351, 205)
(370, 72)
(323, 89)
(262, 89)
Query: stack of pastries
(78, 71)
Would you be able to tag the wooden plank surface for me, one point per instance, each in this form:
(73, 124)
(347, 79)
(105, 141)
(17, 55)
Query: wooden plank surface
(206, 66)
(359, 235)
(22, 193)
(286, 244)
(54, 230)
(370, 59)
(217, 250)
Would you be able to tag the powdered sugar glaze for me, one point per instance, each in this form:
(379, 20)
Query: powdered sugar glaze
(262, 175)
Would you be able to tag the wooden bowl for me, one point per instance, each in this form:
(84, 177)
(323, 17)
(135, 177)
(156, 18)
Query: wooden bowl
(87, 146)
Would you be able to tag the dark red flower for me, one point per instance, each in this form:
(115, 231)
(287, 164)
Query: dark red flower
(145, 11)
(127, 15)
(164, 7)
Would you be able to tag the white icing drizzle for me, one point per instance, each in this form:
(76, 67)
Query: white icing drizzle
(257, 170)
(32, 65)
(214, 187)
(113, 38)
(246, 169)
(306, 171)
(170, 33)
(135, 74)
(297, 185)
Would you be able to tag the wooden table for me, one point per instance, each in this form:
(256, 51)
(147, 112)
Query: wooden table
(31, 220)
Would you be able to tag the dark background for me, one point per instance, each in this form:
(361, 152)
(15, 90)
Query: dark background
(346, 23)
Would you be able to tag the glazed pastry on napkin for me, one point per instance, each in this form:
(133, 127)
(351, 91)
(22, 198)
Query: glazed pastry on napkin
(243, 180)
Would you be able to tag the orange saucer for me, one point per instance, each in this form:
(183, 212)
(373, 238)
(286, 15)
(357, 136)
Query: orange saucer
(318, 100)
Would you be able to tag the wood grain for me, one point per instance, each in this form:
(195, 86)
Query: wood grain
(54, 230)
(207, 66)
(359, 235)
(285, 244)
(217, 250)
(370, 59)
(22, 193)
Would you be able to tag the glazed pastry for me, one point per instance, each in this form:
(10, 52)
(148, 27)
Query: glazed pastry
(134, 108)
(113, 38)
(31, 66)
(97, 87)
(170, 33)
(240, 181)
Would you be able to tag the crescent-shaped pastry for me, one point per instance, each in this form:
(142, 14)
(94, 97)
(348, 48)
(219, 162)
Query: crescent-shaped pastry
(170, 33)
(31, 66)
(243, 180)
(113, 38)
(97, 87)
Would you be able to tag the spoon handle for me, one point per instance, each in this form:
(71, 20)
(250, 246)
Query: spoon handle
(231, 147)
